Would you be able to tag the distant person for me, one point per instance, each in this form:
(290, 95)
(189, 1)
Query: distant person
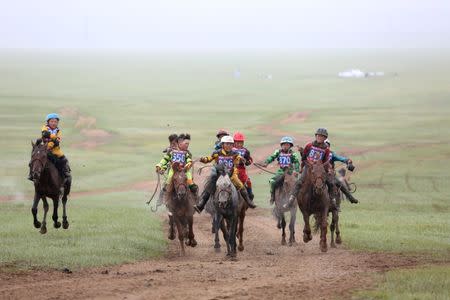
(173, 141)
(287, 159)
(52, 135)
(220, 134)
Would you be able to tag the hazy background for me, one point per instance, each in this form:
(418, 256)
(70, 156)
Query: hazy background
(224, 24)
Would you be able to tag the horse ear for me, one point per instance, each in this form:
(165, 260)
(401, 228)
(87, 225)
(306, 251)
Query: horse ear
(33, 144)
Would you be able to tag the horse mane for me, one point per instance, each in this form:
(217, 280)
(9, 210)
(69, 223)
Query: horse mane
(221, 170)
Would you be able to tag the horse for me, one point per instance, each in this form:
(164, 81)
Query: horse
(314, 199)
(48, 182)
(334, 226)
(227, 204)
(180, 203)
(282, 205)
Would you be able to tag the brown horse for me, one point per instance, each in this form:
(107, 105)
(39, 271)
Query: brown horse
(314, 199)
(282, 206)
(48, 182)
(334, 226)
(180, 202)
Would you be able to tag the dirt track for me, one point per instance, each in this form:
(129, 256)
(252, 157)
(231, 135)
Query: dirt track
(264, 270)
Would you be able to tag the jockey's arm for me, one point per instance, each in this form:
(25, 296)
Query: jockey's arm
(164, 163)
(208, 159)
(296, 162)
(272, 157)
(337, 157)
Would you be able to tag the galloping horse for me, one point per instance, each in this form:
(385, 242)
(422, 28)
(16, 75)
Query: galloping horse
(48, 182)
(180, 204)
(314, 199)
(282, 205)
(226, 202)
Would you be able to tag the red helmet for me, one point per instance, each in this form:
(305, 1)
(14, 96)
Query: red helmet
(238, 137)
(221, 132)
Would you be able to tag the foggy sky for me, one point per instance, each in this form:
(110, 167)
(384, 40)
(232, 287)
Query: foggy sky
(193, 24)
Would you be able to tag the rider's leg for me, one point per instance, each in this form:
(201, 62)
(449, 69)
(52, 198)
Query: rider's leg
(190, 181)
(242, 190)
(207, 191)
(163, 192)
(346, 192)
(248, 185)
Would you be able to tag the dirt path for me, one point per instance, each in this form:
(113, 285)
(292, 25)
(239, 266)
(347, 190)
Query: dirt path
(265, 270)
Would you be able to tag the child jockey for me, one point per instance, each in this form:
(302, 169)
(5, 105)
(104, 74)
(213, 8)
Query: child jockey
(286, 158)
(239, 140)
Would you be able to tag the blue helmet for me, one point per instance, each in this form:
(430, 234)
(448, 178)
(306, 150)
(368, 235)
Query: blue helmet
(287, 139)
(52, 116)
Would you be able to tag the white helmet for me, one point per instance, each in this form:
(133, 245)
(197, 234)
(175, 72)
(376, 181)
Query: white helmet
(227, 139)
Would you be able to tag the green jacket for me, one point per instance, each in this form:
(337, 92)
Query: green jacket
(289, 160)
(174, 156)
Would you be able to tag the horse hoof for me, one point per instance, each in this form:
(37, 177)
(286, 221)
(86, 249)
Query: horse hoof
(306, 238)
(283, 242)
(187, 242)
(43, 230)
(333, 245)
(57, 224)
(323, 249)
(193, 243)
(65, 224)
(279, 226)
(37, 224)
(241, 248)
(338, 240)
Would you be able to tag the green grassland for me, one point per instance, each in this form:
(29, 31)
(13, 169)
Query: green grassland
(399, 122)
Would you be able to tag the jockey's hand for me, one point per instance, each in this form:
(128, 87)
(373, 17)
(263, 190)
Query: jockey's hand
(46, 134)
(349, 162)
(188, 166)
(159, 170)
(204, 160)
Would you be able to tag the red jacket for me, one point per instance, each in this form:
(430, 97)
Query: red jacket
(314, 152)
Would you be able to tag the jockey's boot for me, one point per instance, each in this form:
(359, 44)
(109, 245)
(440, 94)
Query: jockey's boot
(65, 168)
(246, 197)
(194, 188)
(250, 193)
(203, 199)
(348, 194)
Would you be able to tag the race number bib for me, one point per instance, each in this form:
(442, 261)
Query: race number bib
(178, 157)
(315, 154)
(226, 160)
(241, 151)
(284, 160)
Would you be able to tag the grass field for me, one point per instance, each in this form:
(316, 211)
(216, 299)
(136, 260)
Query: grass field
(396, 125)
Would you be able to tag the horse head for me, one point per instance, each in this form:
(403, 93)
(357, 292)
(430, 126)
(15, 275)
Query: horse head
(38, 159)
(224, 188)
(179, 181)
(318, 176)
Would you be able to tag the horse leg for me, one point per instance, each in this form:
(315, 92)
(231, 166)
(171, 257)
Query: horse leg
(307, 229)
(191, 235)
(34, 210)
(241, 230)
(338, 232)
(332, 228)
(216, 222)
(56, 224)
(226, 234)
(180, 231)
(65, 223)
(232, 235)
(171, 229)
(44, 220)
(292, 226)
(323, 230)
(283, 230)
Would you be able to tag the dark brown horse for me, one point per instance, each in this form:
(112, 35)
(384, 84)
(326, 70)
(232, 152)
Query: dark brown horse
(180, 203)
(282, 206)
(242, 210)
(48, 182)
(314, 200)
(334, 226)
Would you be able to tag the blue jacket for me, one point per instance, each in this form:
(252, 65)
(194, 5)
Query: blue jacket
(217, 146)
(336, 157)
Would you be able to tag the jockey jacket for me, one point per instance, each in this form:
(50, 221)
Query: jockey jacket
(244, 153)
(316, 152)
(287, 159)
